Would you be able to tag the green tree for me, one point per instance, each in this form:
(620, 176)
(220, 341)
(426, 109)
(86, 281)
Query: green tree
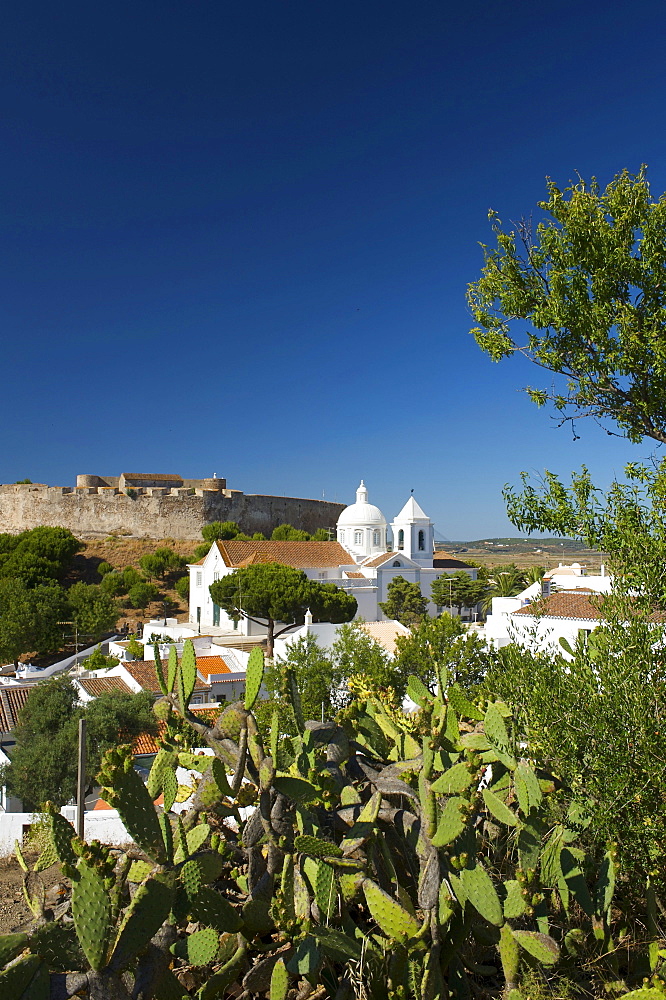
(584, 293)
(135, 648)
(219, 530)
(267, 593)
(314, 675)
(442, 642)
(287, 533)
(457, 590)
(404, 601)
(98, 661)
(94, 611)
(173, 563)
(38, 556)
(152, 565)
(104, 568)
(355, 653)
(597, 720)
(114, 584)
(131, 576)
(29, 619)
(142, 594)
(182, 587)
(44, 760)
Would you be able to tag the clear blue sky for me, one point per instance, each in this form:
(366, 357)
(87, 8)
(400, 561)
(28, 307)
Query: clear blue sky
(236, 237)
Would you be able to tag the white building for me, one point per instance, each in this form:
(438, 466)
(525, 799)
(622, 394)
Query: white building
(363, 561)
(565, 605)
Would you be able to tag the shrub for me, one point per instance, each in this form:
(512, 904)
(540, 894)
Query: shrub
(142, 594)
(182, 587)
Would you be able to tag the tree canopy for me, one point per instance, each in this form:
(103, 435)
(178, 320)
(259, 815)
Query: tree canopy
(584, 296)
(442, 642)
(404, 601)
(44, 760)
(267, 593)
(457, 590)
(38, 556)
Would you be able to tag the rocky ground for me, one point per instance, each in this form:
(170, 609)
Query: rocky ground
(14, 911)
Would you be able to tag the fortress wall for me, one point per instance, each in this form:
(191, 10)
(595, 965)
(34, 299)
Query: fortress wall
(94, 512)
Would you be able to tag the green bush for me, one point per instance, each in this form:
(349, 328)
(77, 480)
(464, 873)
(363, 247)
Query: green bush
(182, 587)
(142, 594)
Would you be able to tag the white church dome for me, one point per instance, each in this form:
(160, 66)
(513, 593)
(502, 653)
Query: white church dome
(361, 512)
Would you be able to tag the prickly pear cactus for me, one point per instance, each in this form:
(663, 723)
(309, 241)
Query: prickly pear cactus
(409, 856)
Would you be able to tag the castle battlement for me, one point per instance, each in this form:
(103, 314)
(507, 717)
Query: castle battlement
(154, 505)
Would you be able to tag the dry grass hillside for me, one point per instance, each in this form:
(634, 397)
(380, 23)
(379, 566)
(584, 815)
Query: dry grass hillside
(124, 552)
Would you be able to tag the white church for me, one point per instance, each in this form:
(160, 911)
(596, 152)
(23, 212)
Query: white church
(366, 557)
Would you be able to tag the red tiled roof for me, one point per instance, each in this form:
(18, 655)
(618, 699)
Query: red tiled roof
(354, 576)
(565, 604)
(208, 665)
(145, 743)
(96, 686)
(12, 700)
(143, 672)
(300, 555)
(580, 603)
(378, 560)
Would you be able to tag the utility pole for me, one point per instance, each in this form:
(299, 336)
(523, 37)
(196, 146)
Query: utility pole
(81, 780)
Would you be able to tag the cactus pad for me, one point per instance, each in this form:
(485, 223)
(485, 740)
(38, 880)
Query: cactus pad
(482, 894)
(451, 823)
(279, 981)
(91, 909)
(126, 792)
(254, 677)
(145, 915)
(394, 920)
(539, 946)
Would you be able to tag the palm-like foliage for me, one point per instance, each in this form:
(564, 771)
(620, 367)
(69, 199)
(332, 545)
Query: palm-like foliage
(504, 581)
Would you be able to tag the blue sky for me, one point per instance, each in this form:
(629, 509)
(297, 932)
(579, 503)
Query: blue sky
(236, 237)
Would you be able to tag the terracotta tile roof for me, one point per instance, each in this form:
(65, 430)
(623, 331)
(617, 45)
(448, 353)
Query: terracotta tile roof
(143, 672)
(12, 700)
(147, 744)
(443, 560)
(209, 665)
(354, 576)
(385, 633)
(378, 560)
(580, 603)
(101, 685)
(300, 555)
(565, 604)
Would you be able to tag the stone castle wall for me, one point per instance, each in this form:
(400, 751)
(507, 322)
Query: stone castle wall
(97, 511)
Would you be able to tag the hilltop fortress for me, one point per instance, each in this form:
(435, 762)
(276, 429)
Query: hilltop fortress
(154, 505)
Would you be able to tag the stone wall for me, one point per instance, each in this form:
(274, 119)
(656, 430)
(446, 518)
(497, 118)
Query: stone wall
(97, 511)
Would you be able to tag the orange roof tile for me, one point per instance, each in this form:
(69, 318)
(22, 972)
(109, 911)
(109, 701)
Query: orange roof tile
(147, 744)
(208, 665)
(564, 604)
(96, 686)
(143, 672)
(12, 700)
(378, 560)
(354, 576)
(300, 555)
